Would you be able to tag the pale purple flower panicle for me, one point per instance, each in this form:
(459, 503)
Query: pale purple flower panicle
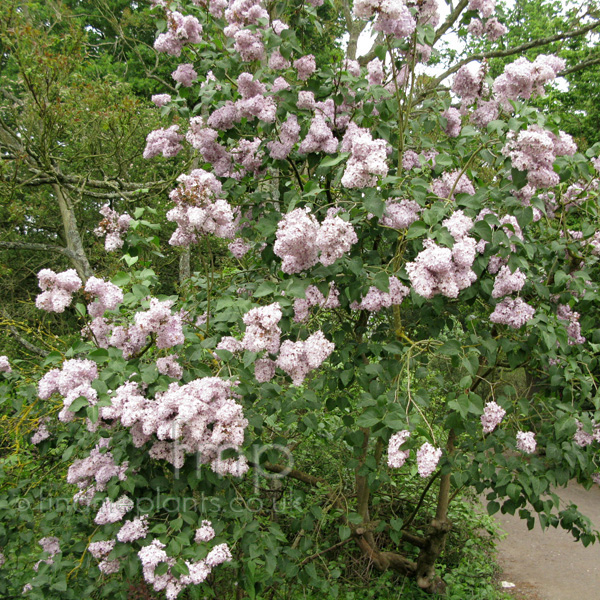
(163, 141)
(218, 555)
(305, 66)
(113, 226)
(368, 159)
(375, 72)
(262, 331)
(397, 457)
(392, 16)
(41, 433)
(51, 545)
(507, 282)
(277, 61)
(181, 31)
(319, 138)
(108, 296)
(514, 313)
(264, 370)
(113, 512)
(5, 365)
(135, 529)
(101, 549)
(485, 113)
(400, 215)
(205, 533)
(288, 137)
(57, 289)
(334, 239)
(526, 442)
(427, 459)
(486, 8)
(297, 359)
(376, 300)
(566, 313)
(315, 298)
(185, 75)
(468, 84)
(230, 344)
(161, 99)
(169, 366)
(410, 160)
(295, 241)
(494, 29)
(448, 185)
(492, 416)
(453, 122)
(306, 100)
(159, 320)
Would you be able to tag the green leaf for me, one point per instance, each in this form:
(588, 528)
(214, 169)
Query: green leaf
(450, 348)
(331, 161)
(344, 532)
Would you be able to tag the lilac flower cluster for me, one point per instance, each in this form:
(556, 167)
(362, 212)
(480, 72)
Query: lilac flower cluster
(91, 474)
(153, 554)
(526, 442)
(71, 381)
(163, 141)
(535, 150)
(113, 512)
(100, 550)
(136, 529)
(400, 215)
(159, 320)
(288, 136)
(397, 457)
(5, 365)
(185, 75)
(41, 433)
(248, 42)
(300, 239)
(492, 416)
(375, 73)
(507, 282)
(297, 359)
(305, 66)
(486, 8)
(57, 289)
(452, 183)
(160, 100)
(438, 270)
(113, 226)
(180, 31)
(428, 457)
(469, 85)
(566, 313)
(169, 366)
(262, 330)
(108, 296)
(453, 122)
(514, 313)
(582, 438)
(199, 210)
(524, 79)
(376, 300)
(50, 545)
(314, 297)
(319, 138)
(367, 160)
(393, 16)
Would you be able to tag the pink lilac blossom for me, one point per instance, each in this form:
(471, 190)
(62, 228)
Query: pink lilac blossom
(135, 529)
(57, 289)
(305, 66)
(448, 186)
(427, 459)
(248, 158)
(566, 313)
(101, 549)
(277, 61)
(288, 137)
(264, 370)
(453, 122)
(410, 160)
(458, 224)
(200, 417)
(427, 12)
(393, 16)
(108, 296)
(376, 300)
(295, 241)
(113, 226)
(486, 8)
(279, 26)
(524, 79)
(41, 433)
(492, 416)
(230, 344)
(279, 84)
(163, 141)
(485, 113)
(375, 72)
(306, 100)
(205, 533)
(438, 270)
(319, 138)
(204, 139)
(113, 512)
(476, 28)
(494, 29)
(169, 366)
(526, 442)
(5, 365)
(297, 359)
(239, 248)
(249, 45)
(128, 339)
(469, 84)
(262, 331)
(50, 545)
(352, 67)
(334, 239)
(159, 320)
(368, 158)
(199, 210)
(185, 75)
(314, 297)
(397, 457)
(400, 215)
(161, 99)
(507, 282)
(514, 313)
(181, 31)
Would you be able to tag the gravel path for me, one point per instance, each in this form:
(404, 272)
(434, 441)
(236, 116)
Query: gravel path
(550, 565)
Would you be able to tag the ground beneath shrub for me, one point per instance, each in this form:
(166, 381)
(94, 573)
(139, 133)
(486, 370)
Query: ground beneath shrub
(549, 565)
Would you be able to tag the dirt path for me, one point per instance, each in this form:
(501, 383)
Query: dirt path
(549, 565)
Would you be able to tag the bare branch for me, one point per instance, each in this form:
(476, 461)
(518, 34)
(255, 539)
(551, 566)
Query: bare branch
(40, 247)
(582, 65)
(452, 17)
